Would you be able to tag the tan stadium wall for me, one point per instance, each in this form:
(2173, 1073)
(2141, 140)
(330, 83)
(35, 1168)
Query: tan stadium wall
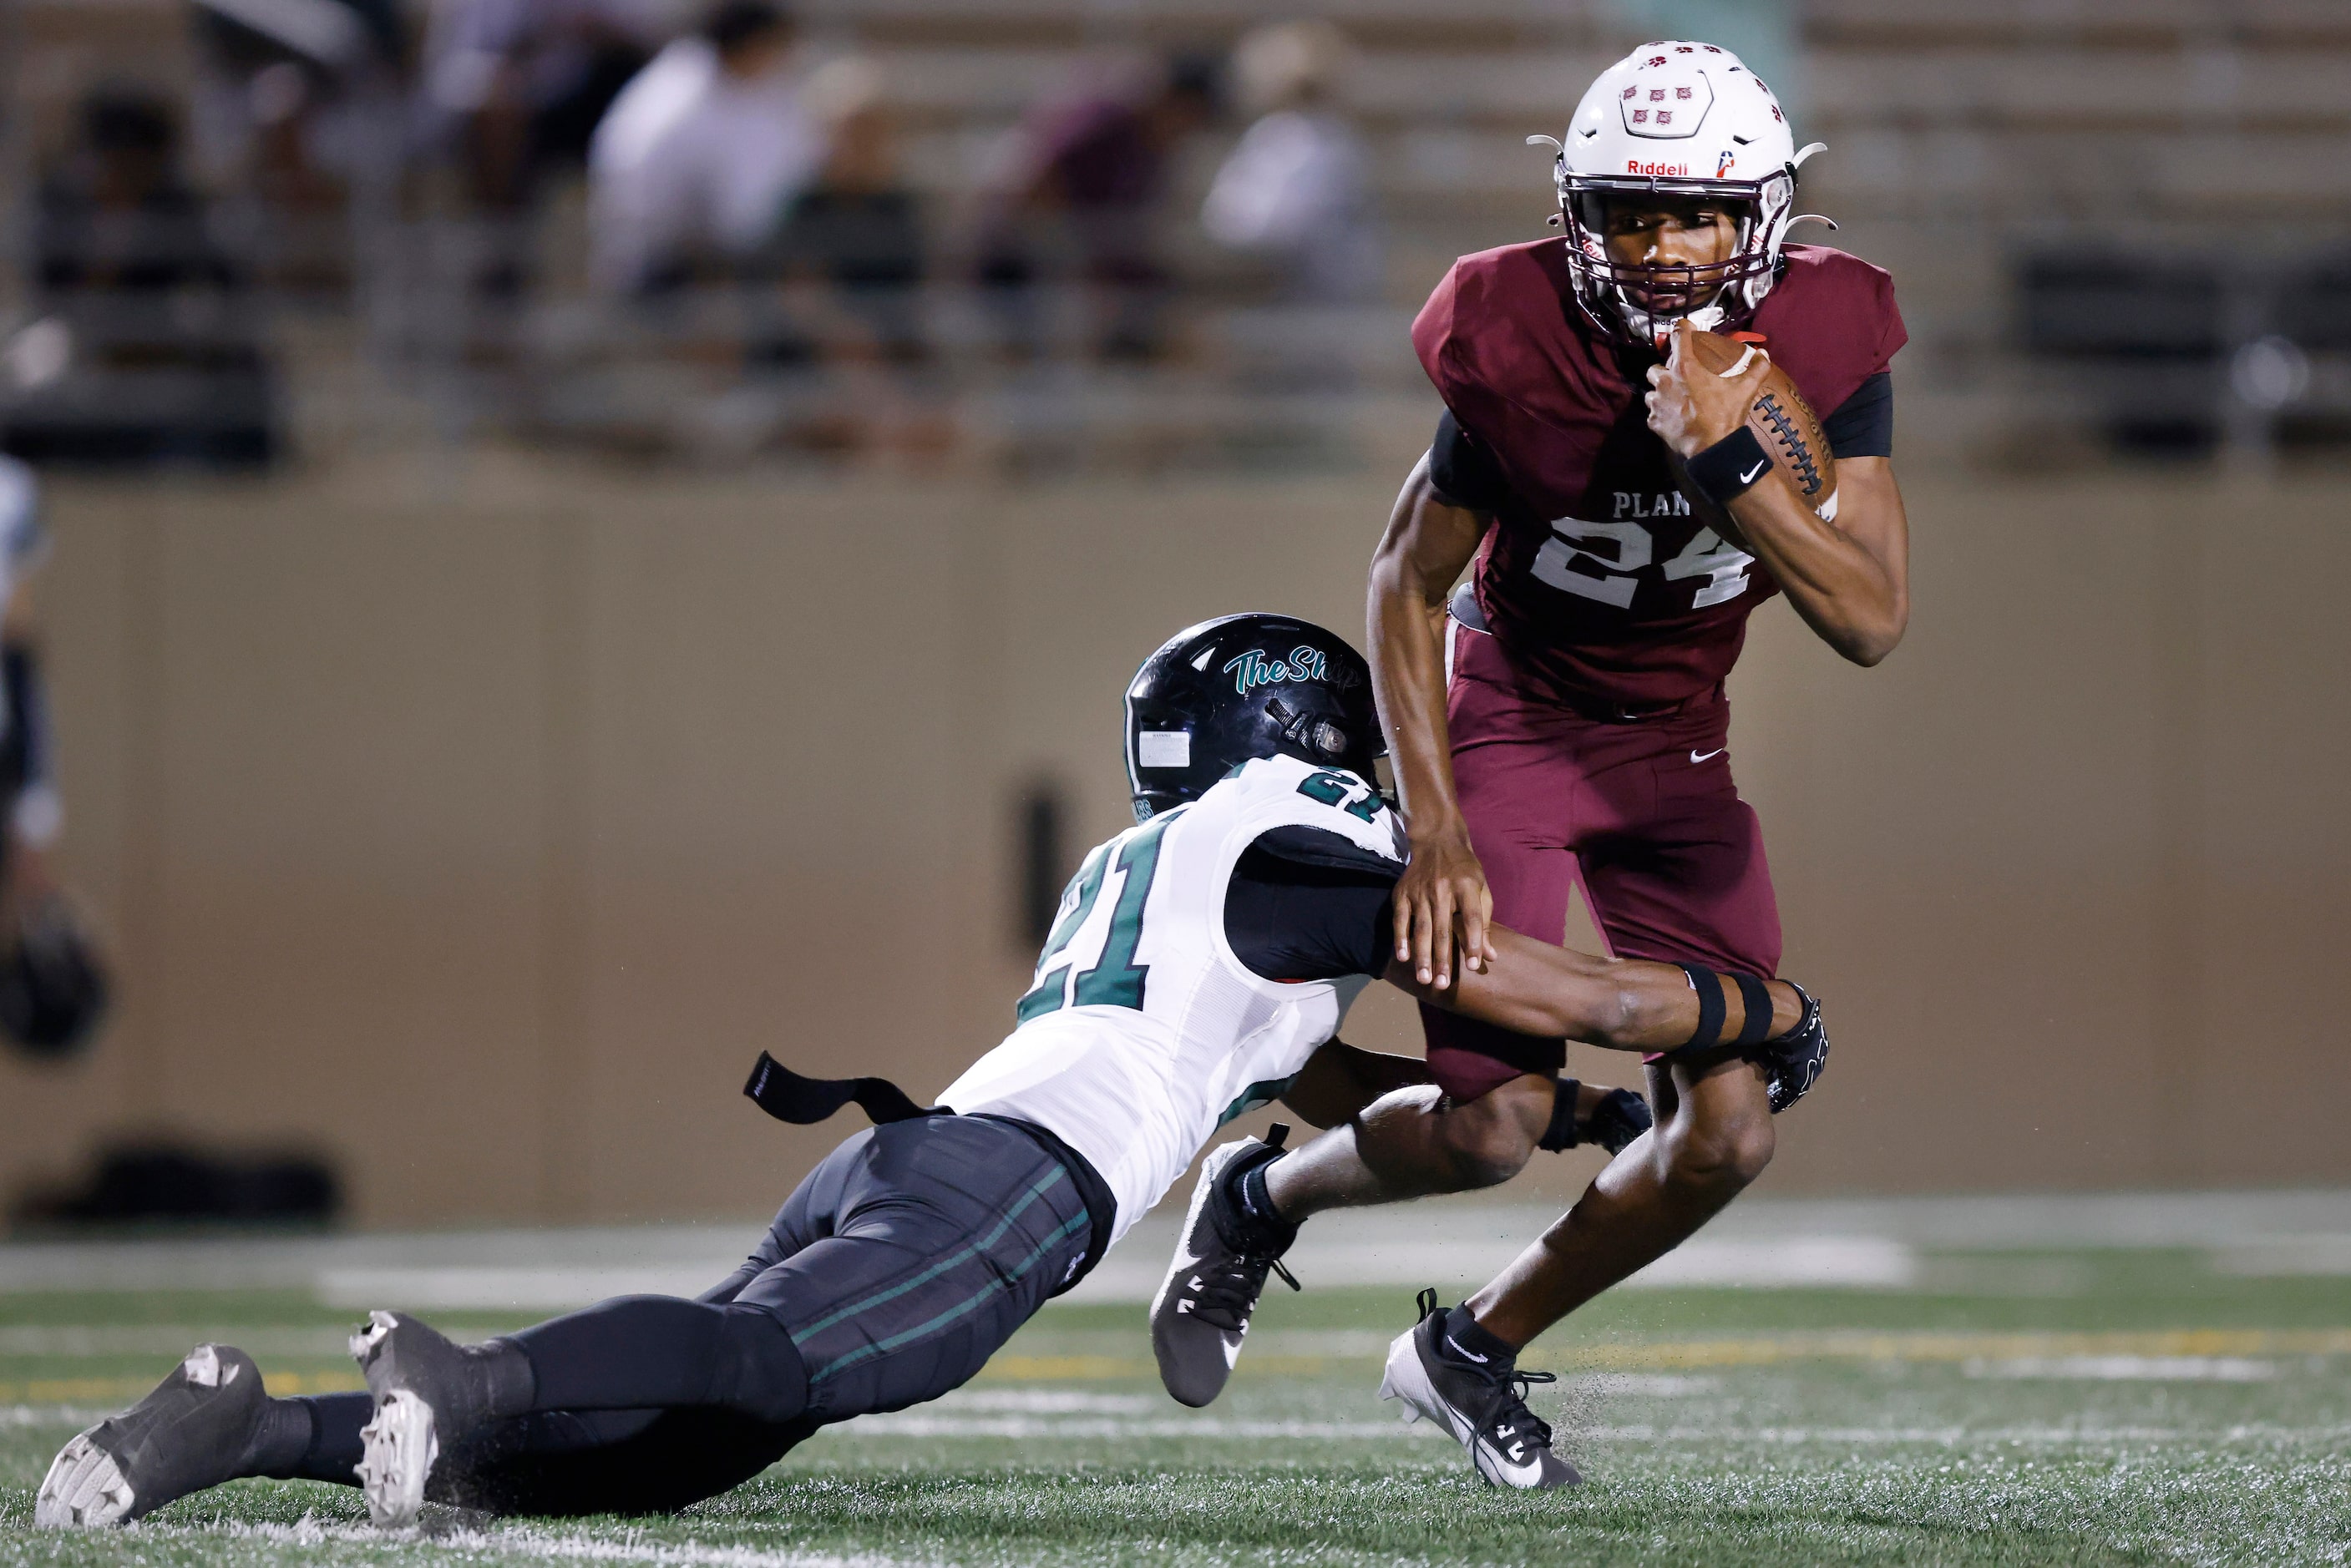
(478, 821)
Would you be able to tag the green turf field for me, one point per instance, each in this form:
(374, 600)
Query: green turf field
(2074, 1407)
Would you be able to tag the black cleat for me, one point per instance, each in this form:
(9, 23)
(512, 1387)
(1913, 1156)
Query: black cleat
(1204, 1305)
(1794, 1061)
(199, 1429)
(1482, 1405)
(431, 1394)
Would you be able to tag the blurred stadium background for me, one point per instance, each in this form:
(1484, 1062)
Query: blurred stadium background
(509, 673)
(524, 641)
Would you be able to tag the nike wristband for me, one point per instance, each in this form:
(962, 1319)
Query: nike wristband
(1730, 467)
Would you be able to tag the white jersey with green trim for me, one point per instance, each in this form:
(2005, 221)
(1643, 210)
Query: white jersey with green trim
(1144, 1032)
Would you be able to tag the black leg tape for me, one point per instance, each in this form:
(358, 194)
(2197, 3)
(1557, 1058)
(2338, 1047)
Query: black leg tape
(1561, 1133)
(1758, 999)
(1709, 986)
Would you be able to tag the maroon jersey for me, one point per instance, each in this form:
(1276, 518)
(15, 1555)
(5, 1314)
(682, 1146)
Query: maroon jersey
(1595, 578)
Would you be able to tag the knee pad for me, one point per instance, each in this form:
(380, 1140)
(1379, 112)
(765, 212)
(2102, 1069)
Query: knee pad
(759, 1373)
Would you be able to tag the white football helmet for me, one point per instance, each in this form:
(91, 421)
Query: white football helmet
(1681, 119)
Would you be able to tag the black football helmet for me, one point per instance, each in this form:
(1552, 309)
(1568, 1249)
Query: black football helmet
(1244, 686)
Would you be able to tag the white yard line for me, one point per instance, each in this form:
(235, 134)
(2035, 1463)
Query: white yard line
(911, 1424)
(2126, 1369)
(1859, 1244)
(533, 1542)
(50, 1416)
(1096, 1429)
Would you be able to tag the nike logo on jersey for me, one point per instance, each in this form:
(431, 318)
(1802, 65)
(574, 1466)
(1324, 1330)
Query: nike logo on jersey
(1749, 477)
(1708, 756)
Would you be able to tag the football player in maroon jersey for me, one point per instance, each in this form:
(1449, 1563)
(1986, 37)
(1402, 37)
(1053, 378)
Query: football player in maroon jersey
(1565, 721)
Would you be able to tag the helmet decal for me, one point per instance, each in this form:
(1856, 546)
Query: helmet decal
(1672, 111)
(1224, 691)
(1254, 669)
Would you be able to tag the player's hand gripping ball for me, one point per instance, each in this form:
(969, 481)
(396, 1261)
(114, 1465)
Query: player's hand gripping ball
(1709, 385)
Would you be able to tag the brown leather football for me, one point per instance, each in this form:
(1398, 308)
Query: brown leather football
(1791, 433)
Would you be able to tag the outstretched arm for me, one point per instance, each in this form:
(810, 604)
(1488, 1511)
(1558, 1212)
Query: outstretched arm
(1442, 902)
(1623, 1004)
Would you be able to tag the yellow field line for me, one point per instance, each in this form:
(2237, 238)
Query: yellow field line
(1673, 1354)
(104, 1390)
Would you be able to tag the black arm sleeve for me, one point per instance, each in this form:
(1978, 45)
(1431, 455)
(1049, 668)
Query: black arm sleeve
(1863, 425)
(1465, 473)
(1304, 904)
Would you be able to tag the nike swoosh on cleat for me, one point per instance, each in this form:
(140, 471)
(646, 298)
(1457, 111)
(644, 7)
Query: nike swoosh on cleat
(1708, 756)
(1749, 477)
(1529, 1470)
(1471, 1355)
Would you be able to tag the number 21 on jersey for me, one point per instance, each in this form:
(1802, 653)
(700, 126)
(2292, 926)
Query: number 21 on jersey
(1724, 567)
(1114, 978)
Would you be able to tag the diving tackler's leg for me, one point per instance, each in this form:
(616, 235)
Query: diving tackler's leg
(902, 1262)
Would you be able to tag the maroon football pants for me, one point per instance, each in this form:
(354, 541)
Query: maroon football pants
(1642, 812)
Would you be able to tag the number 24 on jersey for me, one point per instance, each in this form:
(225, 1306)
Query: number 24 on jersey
(1724, 567)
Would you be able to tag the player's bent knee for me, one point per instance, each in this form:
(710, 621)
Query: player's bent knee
(1486, 1164)
(1489, 1139)
(1722, 1155)
(762, 1373)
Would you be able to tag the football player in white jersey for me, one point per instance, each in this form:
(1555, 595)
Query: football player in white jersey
(1199, 966)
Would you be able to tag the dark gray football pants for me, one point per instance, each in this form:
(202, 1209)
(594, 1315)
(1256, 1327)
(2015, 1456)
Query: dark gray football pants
(895, 1270)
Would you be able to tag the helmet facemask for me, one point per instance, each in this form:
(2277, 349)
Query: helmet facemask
(1640, 302)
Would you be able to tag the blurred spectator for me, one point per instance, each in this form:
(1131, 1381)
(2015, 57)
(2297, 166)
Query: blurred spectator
(858, 227)
(118, 213)
(295, 111)
(854, 253)
(52, 981)
(702, 153)
(522, 84)
(146, 349)
(1092, 173)
(1296, 188)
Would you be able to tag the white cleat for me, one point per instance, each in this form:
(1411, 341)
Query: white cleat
(432, 1395)
(399, 1449)
(83, 1491)
(1482, 1407)
(197, 1429)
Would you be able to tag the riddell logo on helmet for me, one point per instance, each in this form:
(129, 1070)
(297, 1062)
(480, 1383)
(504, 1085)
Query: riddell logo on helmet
(1634, 166)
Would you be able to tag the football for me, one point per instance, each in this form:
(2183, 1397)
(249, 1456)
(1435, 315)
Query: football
(1781, 420)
